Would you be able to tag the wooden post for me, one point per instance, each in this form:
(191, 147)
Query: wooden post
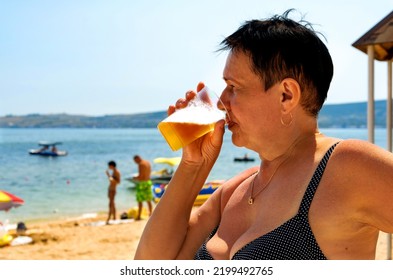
(389, 108)
(389, 137)
(370, 104)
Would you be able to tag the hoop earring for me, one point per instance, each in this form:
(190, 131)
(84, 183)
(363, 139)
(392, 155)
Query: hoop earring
(287, 124)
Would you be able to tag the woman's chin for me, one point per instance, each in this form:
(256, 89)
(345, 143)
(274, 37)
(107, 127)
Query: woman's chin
(237, 140)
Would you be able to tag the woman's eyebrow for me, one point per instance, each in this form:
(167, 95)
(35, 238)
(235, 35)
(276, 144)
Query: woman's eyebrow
(226, 79)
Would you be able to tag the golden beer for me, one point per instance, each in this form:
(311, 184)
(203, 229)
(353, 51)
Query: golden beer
(180, 134)
(188, 124)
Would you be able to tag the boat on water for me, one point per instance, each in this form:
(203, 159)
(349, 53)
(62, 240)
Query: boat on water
(162, 176)
(207, 190)
(48, 149)
(243, 159)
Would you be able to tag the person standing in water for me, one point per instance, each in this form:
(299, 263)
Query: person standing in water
(143, 185)
(114, 179)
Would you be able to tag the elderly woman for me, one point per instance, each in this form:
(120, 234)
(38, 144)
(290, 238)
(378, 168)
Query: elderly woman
(313, 196)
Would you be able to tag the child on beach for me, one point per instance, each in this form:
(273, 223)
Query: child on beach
(114, 180)
(143, 185)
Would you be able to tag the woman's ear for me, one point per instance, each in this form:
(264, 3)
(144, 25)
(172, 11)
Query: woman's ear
(290, 94)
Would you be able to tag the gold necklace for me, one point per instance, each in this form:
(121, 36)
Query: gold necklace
(252, 197)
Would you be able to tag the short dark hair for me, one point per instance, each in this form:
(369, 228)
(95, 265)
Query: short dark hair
(112, 163)
(282, 48)
(136, 157)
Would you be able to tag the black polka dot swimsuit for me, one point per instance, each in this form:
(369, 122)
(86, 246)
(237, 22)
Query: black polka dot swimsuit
(293, 240)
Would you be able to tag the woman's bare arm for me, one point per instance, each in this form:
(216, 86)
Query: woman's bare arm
(167, 228)
(369, 177)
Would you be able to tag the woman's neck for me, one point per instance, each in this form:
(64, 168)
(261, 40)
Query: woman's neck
(288, 140)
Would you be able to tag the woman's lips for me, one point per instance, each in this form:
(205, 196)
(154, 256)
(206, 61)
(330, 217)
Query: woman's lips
(230, 123)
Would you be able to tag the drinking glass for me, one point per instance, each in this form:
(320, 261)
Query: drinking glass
(197, 119)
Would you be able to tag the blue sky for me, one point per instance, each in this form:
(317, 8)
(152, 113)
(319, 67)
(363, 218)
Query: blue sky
(115, 57)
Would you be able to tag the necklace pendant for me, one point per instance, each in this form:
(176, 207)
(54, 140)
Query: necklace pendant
(250, 201)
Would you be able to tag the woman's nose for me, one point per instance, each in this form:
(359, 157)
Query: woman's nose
(223, 103)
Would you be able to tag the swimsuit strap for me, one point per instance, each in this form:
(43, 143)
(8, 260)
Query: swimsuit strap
(315, 180)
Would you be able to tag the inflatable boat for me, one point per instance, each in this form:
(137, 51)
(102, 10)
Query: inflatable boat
(207, 190)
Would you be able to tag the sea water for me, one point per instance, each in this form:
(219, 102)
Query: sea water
(76, 184)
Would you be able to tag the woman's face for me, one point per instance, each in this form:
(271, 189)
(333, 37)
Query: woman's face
(253, 112)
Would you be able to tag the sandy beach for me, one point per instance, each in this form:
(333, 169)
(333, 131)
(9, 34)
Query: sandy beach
(78, 239)
(89, 239)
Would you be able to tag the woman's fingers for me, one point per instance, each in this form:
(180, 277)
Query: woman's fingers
(171, 110)
(200, 86)
(183, 102)
(190, 95)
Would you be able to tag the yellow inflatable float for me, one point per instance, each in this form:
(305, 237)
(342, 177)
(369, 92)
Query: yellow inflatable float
(133, 213)
(5, 240)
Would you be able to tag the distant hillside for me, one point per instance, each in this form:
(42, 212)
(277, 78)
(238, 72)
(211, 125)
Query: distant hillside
(351, 115)
(145, 120)
(340, 115)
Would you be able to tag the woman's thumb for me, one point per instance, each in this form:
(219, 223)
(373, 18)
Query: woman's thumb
(218, 133)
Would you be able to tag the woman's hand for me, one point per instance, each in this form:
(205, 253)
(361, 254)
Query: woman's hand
(205, 149)
(171, 217)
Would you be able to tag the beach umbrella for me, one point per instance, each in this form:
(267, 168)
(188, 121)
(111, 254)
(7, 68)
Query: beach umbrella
(7, 201)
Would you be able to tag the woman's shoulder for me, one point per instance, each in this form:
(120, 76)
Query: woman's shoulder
(362, 173)
(360, 158)
(359, 150)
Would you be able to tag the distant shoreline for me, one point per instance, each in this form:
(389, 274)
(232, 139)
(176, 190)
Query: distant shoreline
(348, 115)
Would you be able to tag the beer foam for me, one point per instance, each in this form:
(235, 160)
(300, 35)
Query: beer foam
(196, 113)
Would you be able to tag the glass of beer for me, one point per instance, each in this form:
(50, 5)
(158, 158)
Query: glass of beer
(197, 119)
